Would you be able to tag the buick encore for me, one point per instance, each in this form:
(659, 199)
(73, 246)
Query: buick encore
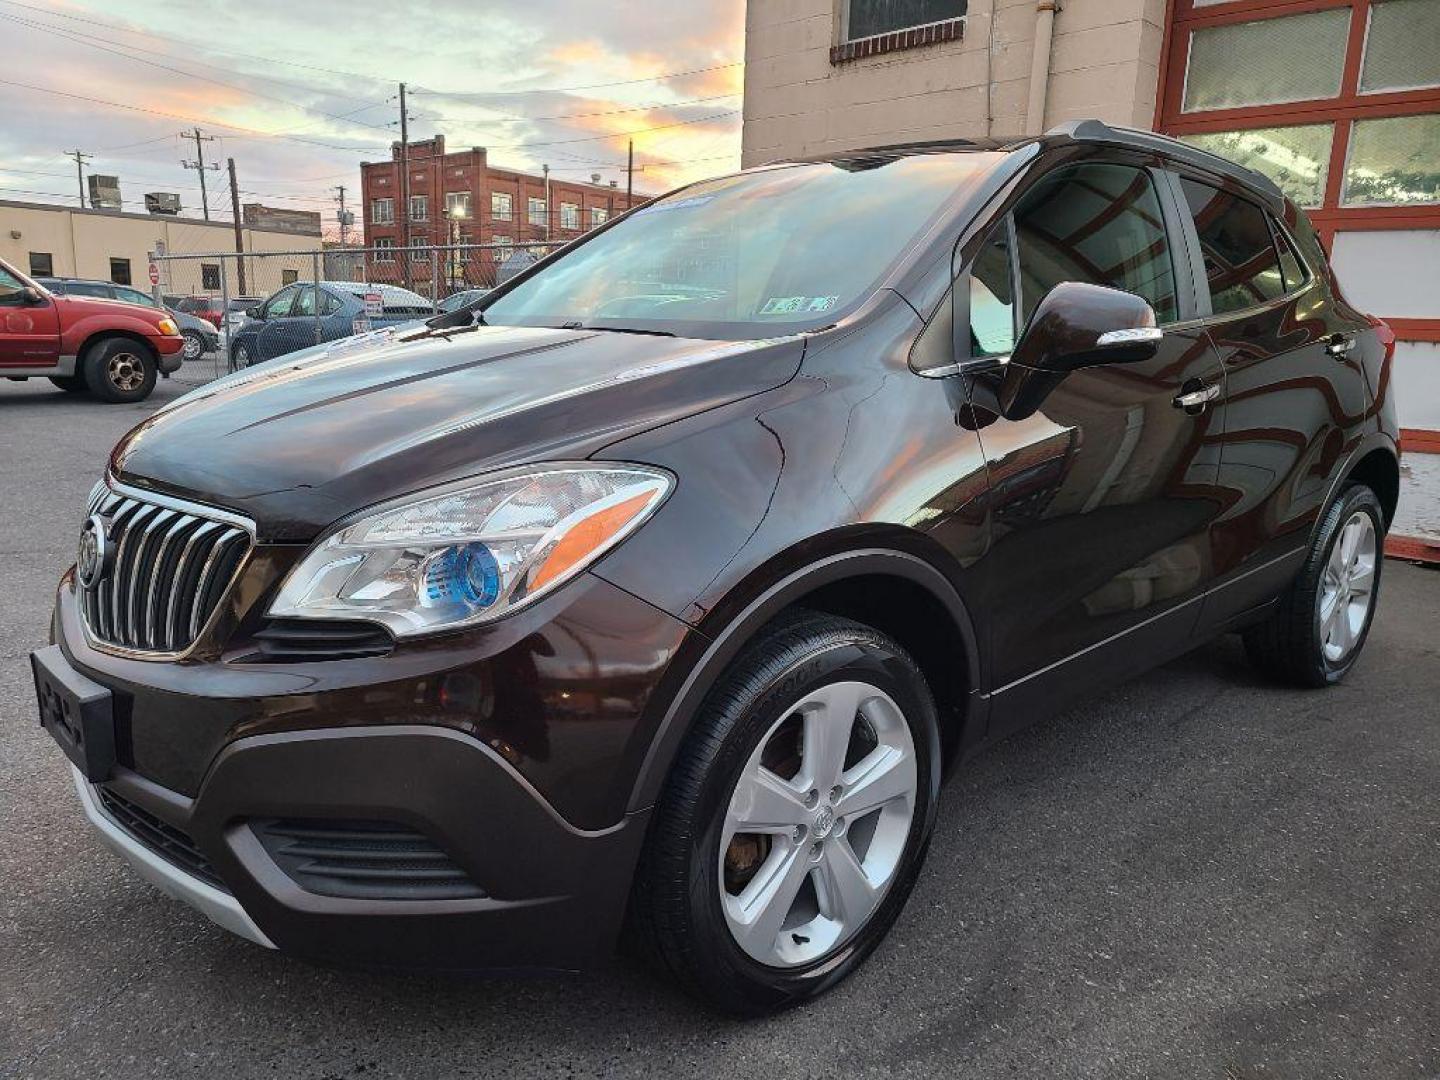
(658, 589)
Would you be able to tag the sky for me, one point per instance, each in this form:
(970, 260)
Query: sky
(299, 93)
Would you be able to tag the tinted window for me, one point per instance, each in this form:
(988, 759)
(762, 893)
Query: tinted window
(992, 299)
(134, 296)
(1099, 224)
(1290, 265)
(82, 288)
(10, 287)
(1241, 264)
(304, 302)
(279, 307)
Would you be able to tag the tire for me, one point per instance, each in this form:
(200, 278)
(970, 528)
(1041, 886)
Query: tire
(689, 909)
(194, 344)
(71, 384)
(120, 370)
(1300, 643)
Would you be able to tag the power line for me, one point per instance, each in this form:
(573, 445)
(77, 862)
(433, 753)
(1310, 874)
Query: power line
(517, 118)
(661, 77)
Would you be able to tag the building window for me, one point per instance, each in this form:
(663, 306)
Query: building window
(598, 216)
(419, 208)
(537, 211)
(457, 204)
(210, 275)
(1295, 58)
(1400, 51)
(420, 251)
(382, 211)
(869, 18)
(502, 206)
(1393, 161)
(1296, 158)
(569, 216)
(289, 277)
(462, 253)
(41, 264)
(384, 249)
(120, 271)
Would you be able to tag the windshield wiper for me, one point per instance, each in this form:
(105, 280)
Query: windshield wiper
(616, 329)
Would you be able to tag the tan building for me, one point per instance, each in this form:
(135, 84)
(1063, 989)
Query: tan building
(1337, 100)
(47, 240)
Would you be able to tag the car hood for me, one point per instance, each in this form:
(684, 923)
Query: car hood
(302, 441)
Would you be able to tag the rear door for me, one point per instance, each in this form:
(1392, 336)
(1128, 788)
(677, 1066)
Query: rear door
(29, 333)
(1295, 397)
(1103, 501)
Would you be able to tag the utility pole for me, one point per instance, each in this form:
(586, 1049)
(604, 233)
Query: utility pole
(80, 158)
(340, 198)
(405, 187)
(239, 231)
(630, 176)
(549, 211)
(199, 165)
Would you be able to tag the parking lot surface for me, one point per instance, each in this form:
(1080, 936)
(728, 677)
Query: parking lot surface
(1194, 875)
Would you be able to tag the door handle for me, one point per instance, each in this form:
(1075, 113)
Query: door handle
(1339, 345)
(1196, 402)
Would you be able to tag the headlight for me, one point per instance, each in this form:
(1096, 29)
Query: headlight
(168, 327)
(471, 553)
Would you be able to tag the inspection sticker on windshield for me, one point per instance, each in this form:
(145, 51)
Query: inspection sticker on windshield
(791, 305)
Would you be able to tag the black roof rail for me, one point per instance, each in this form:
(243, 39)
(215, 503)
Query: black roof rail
(1099, 131)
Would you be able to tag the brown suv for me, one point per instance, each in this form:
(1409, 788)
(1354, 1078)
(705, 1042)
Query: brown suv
(664, 582)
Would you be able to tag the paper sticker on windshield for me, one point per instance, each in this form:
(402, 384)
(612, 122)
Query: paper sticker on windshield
(795, 305)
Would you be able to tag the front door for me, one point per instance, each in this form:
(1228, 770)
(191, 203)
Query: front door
(29, 332)
(1101, 502)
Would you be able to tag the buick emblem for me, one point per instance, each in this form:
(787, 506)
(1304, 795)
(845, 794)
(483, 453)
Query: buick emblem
(96, 554)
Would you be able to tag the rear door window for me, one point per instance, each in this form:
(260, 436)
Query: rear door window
(1242, 266)
(1100, 224)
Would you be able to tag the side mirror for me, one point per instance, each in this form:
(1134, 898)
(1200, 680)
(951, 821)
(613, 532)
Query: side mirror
(32, 296)
(1075, 326)
(256, 312)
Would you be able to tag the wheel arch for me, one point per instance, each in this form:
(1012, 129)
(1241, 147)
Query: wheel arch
(98, 336)
(1378, 467)
(880, 586)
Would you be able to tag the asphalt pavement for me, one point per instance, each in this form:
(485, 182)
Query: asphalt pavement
(1195, 875)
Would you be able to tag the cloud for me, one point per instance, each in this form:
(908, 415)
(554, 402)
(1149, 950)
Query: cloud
(525, 81)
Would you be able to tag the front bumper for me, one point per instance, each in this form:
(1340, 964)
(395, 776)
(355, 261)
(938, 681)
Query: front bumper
(546, 895)
(171, 351)
(511, 752)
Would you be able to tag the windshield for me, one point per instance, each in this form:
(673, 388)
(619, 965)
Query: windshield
(754, 255)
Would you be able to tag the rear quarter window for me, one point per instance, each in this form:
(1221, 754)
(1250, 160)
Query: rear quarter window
(1242, 265)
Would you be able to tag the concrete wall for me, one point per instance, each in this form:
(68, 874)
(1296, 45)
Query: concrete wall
(1104, 63)
(81, 243)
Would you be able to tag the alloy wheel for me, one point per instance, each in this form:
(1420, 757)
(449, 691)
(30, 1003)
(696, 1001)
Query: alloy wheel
(193, 347)
(126, 372)
(1347, 587)
(817, 824)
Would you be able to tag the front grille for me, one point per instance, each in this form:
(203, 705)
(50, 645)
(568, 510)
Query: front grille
(172, 844)
(370, 860)
(170, 570)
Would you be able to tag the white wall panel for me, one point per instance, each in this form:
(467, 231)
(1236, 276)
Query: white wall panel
(1390, 272)
(1417, 384)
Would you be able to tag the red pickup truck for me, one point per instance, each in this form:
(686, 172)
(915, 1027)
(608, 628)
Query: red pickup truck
(107, 348)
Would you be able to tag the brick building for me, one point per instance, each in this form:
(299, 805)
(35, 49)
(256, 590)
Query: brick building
(458, 197)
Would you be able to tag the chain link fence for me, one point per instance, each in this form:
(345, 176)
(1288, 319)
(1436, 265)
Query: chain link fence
(264, 305)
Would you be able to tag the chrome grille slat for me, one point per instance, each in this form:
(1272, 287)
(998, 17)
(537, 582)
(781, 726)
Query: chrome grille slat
(177, 622)
(174, 563)
(203, 583)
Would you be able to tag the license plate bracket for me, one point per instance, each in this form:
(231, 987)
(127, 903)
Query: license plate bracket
(77, 712)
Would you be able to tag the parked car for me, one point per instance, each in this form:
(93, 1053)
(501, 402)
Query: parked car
(461, 648)
(216, 310)
(200, 337)
(288, 321)
(112, 348)
(455, 301)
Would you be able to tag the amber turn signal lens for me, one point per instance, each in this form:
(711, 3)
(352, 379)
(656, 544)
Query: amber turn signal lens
(581, 540)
